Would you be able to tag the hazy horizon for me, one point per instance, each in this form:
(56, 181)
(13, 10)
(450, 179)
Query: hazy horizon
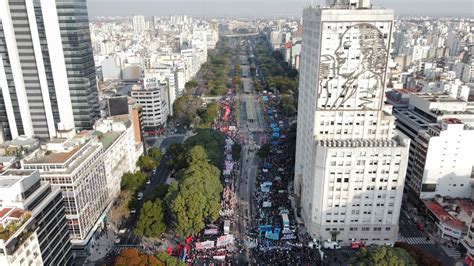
(266, 8)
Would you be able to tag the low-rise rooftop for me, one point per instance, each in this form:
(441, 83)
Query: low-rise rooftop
(444, 217)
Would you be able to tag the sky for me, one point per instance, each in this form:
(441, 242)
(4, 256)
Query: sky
(266, 8)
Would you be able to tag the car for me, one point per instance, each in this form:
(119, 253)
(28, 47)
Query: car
(328, 244)
(117, 241)
(421, 227)
(133, 211)
(140, 196)
(153, 172)
(148, 182)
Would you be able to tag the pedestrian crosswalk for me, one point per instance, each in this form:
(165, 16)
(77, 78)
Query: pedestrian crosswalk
(452, 252)
(115, 250)
(416, 240)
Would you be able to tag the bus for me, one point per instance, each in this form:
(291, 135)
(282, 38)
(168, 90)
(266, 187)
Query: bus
(286, 222)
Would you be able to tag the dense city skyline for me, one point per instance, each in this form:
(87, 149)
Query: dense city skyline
(248, 8)
(223, 132)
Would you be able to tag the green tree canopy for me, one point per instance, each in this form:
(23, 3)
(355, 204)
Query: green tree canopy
(383, 256)
(190, 84)
(236, 149)
(133, 181)
(159, 192)
(422, 258)
(146, 163)
(197, 195)
(151, 223)
(211, 140)
(169, 260)
(156, 154)
(176, 153)
(208, 114)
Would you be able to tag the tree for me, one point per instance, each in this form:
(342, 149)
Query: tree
(196, 197)
(211, 140)
(155, 153)
(382, 255)
(264, 151)
(133, 181)
(288, 105)
(159, 192)
(120, 211)
(422, 258)
(170, 261)
(190, 84)
(176, 152)
(131, 256)
(208, 114)
(236, 149)
(151, 223)
(146, 163)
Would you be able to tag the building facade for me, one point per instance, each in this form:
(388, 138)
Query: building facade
(46, 55)
(76, 166)
(154, 101)
(350, 161)
(121, 150)
(49, 243)
(441, 130)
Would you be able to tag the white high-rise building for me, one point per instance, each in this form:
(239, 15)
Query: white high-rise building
(153, 97)
(76, 165)
(139, 24)
(350, 161)
(47, 71)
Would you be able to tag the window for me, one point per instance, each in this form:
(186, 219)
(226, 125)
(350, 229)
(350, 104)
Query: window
(387, 228)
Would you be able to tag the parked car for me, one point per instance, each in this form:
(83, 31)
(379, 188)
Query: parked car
(133, 211)
(331, 245)
(140, 196)
(148, 182)
(421, 227)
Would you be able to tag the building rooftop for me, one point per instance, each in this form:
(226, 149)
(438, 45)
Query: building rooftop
(54, 157)
(108, 138)
(444, 216)
(8, 181)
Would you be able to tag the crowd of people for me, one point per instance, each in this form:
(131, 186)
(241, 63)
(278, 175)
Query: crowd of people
(216, 243)
(275, 229)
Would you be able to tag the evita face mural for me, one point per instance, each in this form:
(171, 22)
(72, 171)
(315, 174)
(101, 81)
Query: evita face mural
(353, 65)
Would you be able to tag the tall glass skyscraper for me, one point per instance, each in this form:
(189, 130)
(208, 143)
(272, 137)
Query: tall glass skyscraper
(47, 72)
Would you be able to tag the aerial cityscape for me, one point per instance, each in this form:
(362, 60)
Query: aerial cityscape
(336, 132)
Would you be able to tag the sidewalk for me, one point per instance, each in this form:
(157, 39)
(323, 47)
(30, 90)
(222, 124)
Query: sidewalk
(101, 246)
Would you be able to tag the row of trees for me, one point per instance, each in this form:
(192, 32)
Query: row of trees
(187, 109)
(400, 254)
(131, 256)
(195, 198)
(211, 140)
(382, 255)
(280, 77)
(132, 183)
(218, 69)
